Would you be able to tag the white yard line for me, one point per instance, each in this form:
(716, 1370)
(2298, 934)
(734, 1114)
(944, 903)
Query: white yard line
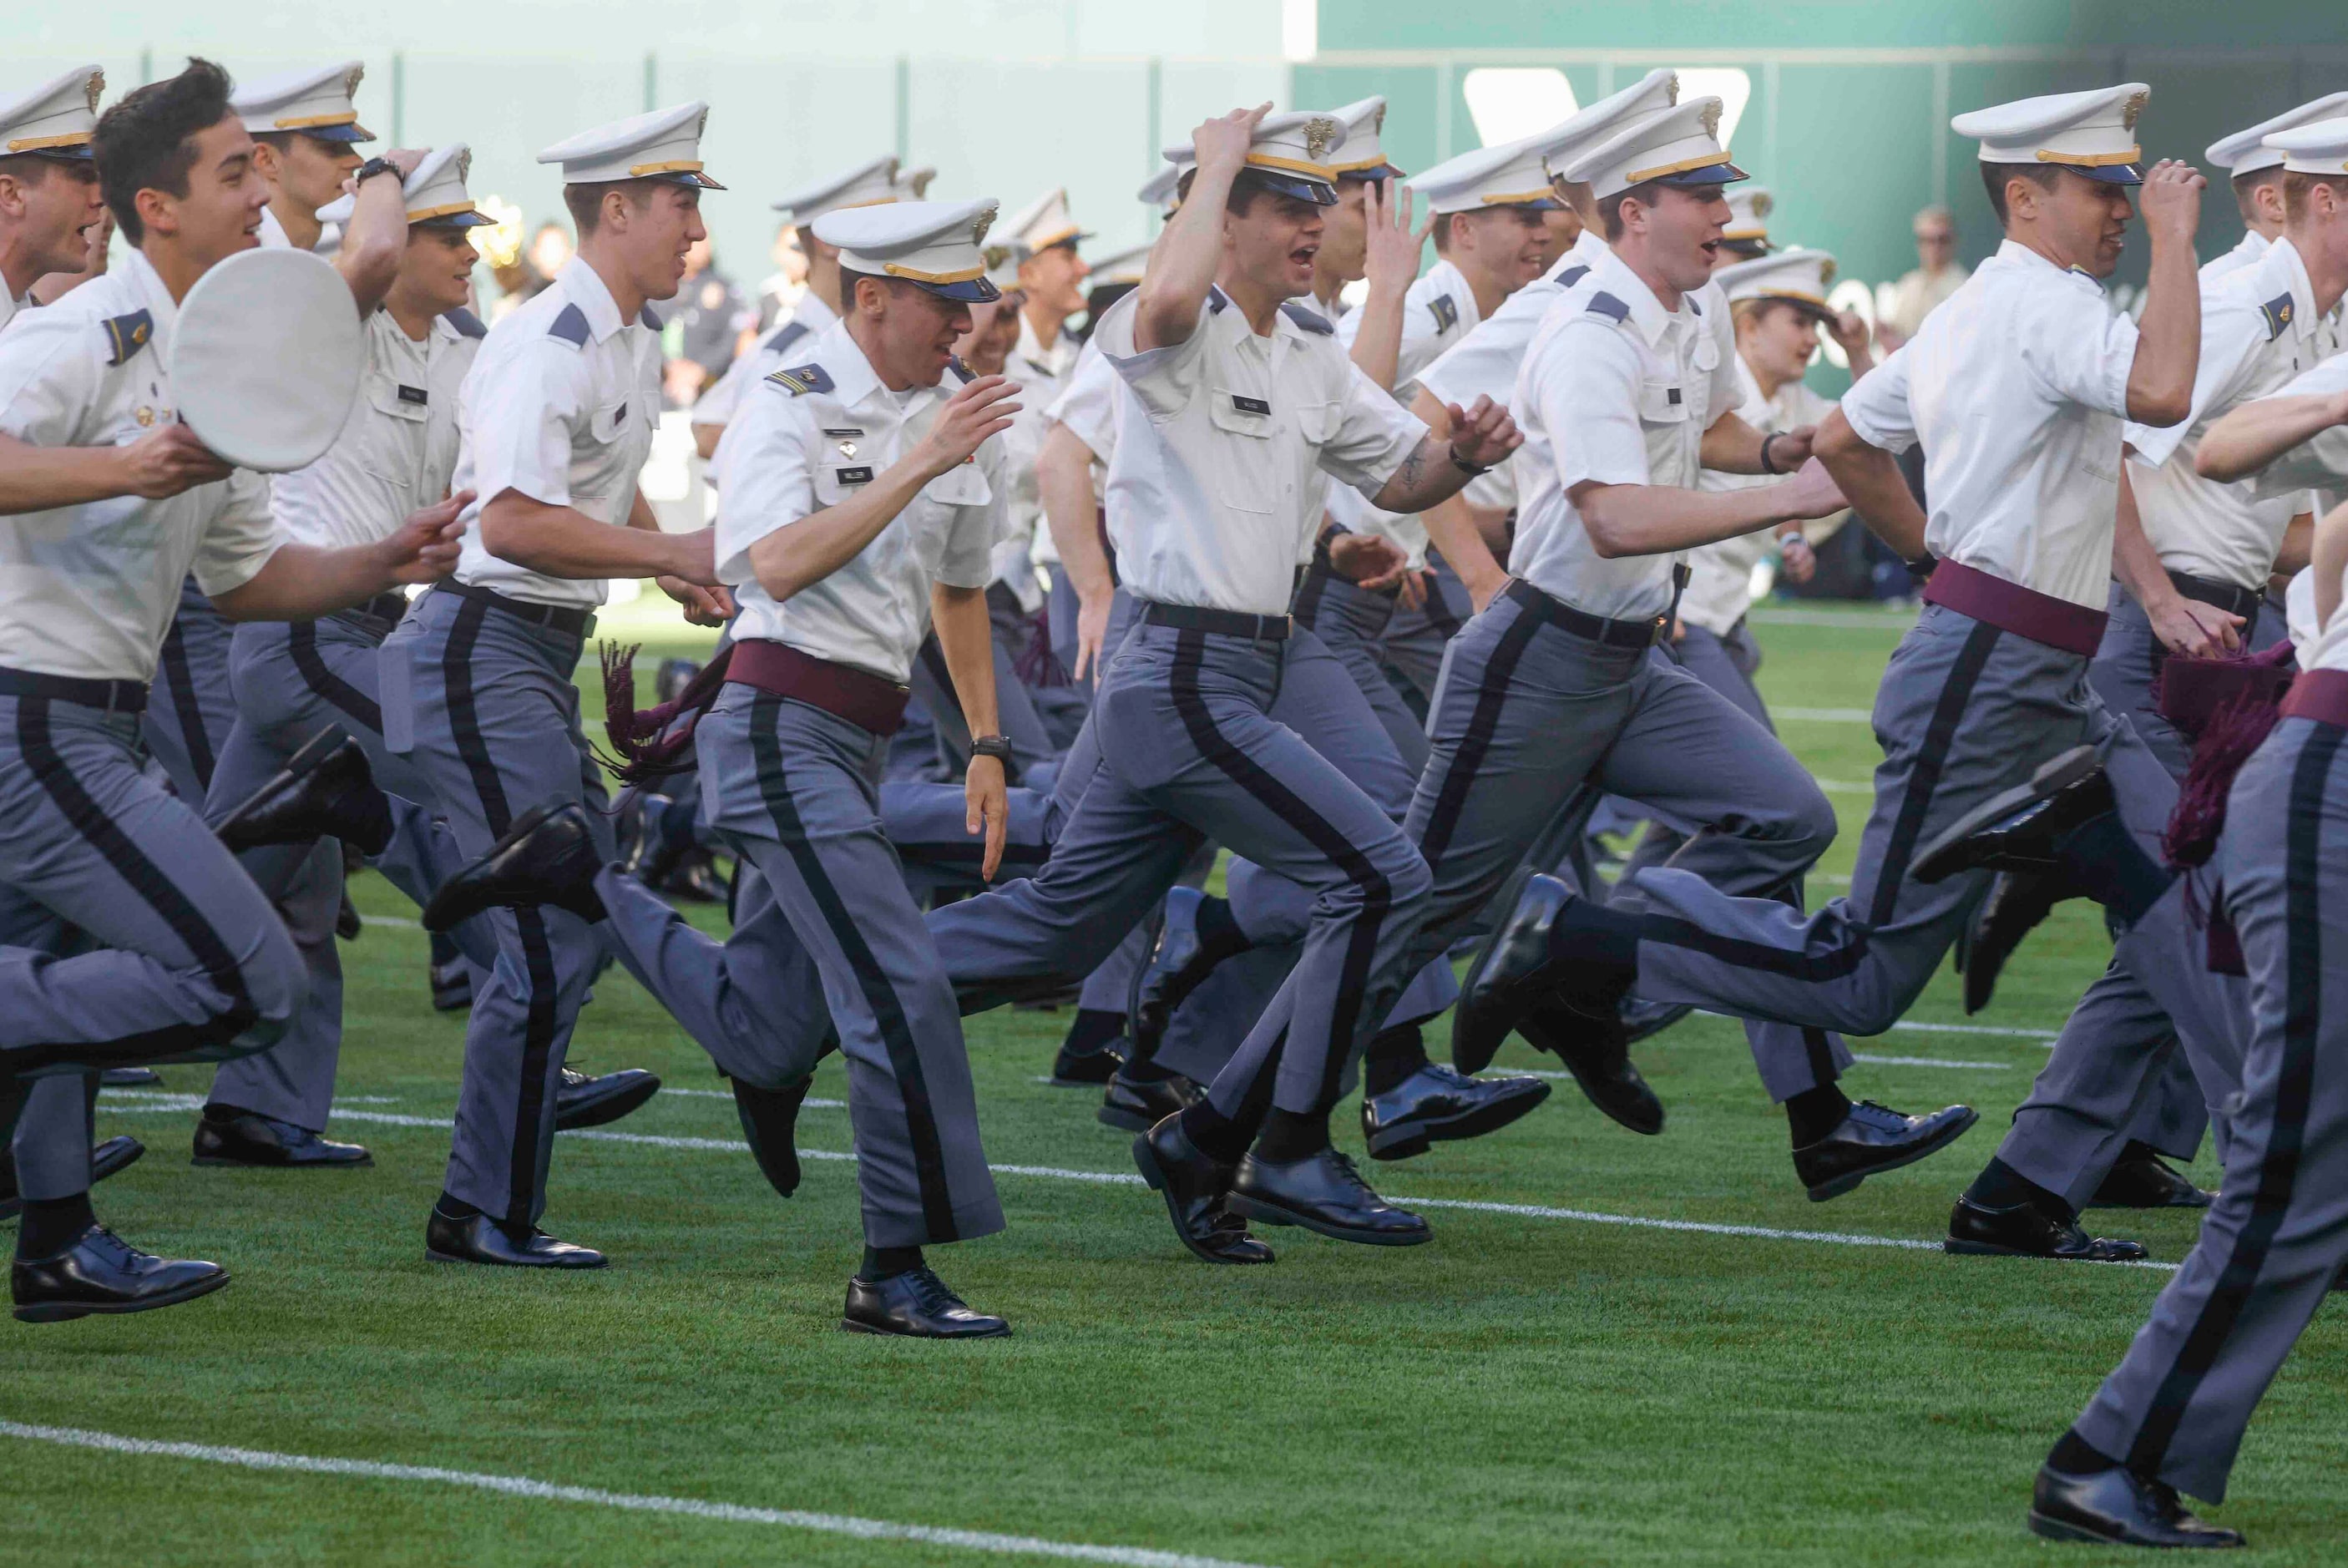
(1823, 715)
(632, 1502)
(1854, 620)
(1928, 1062)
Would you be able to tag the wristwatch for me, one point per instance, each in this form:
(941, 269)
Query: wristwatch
(371, 168)
(996, 746)
(1464, 466)
(1768, 467)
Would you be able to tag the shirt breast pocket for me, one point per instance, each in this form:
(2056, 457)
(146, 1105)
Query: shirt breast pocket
(1245, 463)
(1664, 405)
(400, 417)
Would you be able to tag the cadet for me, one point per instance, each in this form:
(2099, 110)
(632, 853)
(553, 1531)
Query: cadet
(553, 424)
(867, 184)
(116, 501)
(859, 502)
(1214, 497)
(2258, 180)
(2028, 362)
(1747, 238)
(2193, 558)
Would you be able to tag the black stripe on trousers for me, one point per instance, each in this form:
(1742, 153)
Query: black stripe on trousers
(1377, 893)
(179, 677)
(1915, 804)
(538, 958)
(153, 885)
(1476, 742)
(301, 644)
(2294, 1089)
(888, 1013)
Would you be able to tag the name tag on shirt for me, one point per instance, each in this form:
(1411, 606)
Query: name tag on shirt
(851, 434)
(859, 475)
(414, 395)
(1672, 396)
(1249, 405)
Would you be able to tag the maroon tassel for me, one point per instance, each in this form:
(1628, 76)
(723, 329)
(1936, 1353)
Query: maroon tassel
(649, 742)
(1039, 665)
(2224, 954)
(2191, 692)
(2234, 731)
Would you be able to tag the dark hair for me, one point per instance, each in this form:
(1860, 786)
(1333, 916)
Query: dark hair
(2247, 187)
(147, 140)
(848, 288)
(1610, 208)
(2046, 176)
(585, 202)
(29, 168)
(2295, 188)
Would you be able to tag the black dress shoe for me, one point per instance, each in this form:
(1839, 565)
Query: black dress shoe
(1137, 1105)
(673, 676)
(477, 1239)
(1196, 1189)
(1324, 1193)
(1089, 1067)
(1592, 1050)
(2016, 829)
(1874, 1138)
(1178, 965)
(452, 986)
(2017, 902)
(325, 791)
(347, 924)
(2027, 1230)
(111, 1158)
(1439, 1104)
(228, 1136)
(2118, 1508)
(915, 1305)
(101, 1273)
(770, 1121)
(695, 879)
(129, 1078)
(583, 1101)
(1530, 956)
(1644, 1020)
(547, 856)
(2140, 1179)
(647, 851)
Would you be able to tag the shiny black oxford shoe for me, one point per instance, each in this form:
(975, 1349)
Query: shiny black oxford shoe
(2118, 1508)
(2027, 1230)
(770, 1120)
(1592, 1049)
(2017, 902)
(2140, 1179)
(1176, 967)
(100, 1272)
(915, 1305)
(1324, 1193)
(478, 1239)
(2017, 828)
(228, 1135)
(547, 856)
(1439, 1104)
(1195, 1188)
(581, 1100)
(324, 791)
(1874, 1138)
(1136, 1105)
(647, 851)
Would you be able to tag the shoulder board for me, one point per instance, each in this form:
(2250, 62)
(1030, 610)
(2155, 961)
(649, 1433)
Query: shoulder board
(1446, 311)
(790, 332)
(1606, 305)
(467, 324)
(2277, 315)
(1695, 305)
(1305, 316)
(803, 380)
(960, 371)
(126, 335)
(1571, 275)
(1216, 299)
(571, 326)
(650, 317)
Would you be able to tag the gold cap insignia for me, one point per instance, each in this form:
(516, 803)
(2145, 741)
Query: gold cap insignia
(1319, 132)
(351, 80)
(1763, 203)
(979, 226)
(1827, 271)
(464, 164)
(1671, 90)
(1710, 119)
(2132, 107)
(95, 87)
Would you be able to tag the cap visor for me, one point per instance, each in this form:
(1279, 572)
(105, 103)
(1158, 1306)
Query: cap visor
(2108, 174)
(971, 291)
(1376, 171)
(689, 177)
(76, 154)
(1751, 250)
(456, 220)
(1721, 173)
(1318, 192)
(1808, 308)
(336, 133)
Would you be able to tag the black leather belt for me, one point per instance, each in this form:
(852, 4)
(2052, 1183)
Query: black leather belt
(2242, 601)
(568, 619)
(377, 616)
(1581, 623)
(110, 697)
(1222, 622)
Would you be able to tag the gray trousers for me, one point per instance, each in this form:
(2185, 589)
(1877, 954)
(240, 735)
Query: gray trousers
(1527, 710)
(2118, 1072)
(483, 702)
(1032, 750)
(1352, 621)
(792, 789)
(131, 928)
(2274, 1241)
(293, 681)
(1726, 664)
(1194, 745)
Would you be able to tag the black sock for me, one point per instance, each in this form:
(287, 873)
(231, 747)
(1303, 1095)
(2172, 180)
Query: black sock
(53, 1224)
(1212, 1133)
(445, 950)
(1587, 931)
(1138, 1068)
(2107, 864)
(885, 1262)
(1814, 1112)
(2001, 1186)
(454, 1208)
(2072, 1456)
(1093, 1028)
(1219, 936)
(1391, 1058)
(1290, 1136)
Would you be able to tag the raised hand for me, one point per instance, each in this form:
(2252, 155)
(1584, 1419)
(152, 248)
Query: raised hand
(970, 416)
(1222, 143)
(426, 546)
(1483, 435)
(2170, 199)
(1391, 264)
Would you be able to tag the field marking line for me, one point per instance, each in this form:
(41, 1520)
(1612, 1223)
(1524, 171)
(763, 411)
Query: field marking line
(1824, 715)
(633, 1502)
(397, 922)
(1853, 620)
(1928, 1062)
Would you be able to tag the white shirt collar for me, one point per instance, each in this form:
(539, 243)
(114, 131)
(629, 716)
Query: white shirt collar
(1587, 250)
(2014, 252)
(147, 285)
(1647, 312)
(584, 287)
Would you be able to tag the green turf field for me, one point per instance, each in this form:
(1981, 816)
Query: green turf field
(1534, 1388)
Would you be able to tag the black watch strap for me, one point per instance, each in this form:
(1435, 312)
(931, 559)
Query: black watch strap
(1769, 465)
(370, 169)
(996, 746)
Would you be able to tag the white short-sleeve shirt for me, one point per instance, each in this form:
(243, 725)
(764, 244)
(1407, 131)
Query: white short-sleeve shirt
(2245, 254)
(794, 453)
(2017, 388)
(1214, 490)
(1720, 575)
(398, 446)
(90, 590)
(717, 403)
(560, 406)
(1041, 374)
(1438, 310)
(2259, 330)
(1615, 390)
